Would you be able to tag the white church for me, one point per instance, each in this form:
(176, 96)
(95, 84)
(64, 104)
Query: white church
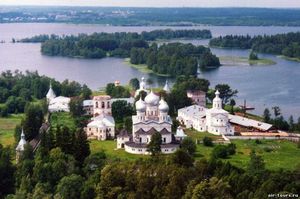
(57, 104)
(214, 120)
(151, 116)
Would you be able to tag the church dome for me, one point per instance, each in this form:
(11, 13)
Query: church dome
(152, 99)
(163, 106)
(143, 84)
(140, 105)
(50, 94)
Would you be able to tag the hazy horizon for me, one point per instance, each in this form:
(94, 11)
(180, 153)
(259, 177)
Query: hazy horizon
(157, 3)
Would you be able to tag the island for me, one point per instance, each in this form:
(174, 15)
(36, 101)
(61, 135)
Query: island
(280, 44)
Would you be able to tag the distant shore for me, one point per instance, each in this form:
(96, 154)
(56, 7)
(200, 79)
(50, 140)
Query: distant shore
(244, 61)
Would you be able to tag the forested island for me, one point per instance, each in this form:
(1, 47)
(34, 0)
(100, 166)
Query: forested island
(280, 44)
(99, 45)
(168, 59)
(174, 58)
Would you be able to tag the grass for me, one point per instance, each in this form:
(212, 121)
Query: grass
(109, 147)
(289, 58)
(7, 128)
(63, 119)
(143, 68)
(244, 61)
(276, 153)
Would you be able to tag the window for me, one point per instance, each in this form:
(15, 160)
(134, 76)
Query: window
(164, 140)
(96, 104)
(108, 105)
(102, 105)
(140, 140)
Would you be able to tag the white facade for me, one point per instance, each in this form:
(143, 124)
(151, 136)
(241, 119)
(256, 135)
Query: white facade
(167, 88)
(151, 116)
(57, 104)
(102, 125)
(214, 120)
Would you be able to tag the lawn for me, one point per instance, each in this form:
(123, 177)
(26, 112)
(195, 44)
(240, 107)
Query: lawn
(109, 147)
(244, 61)
(276, 153)
(7, 128)
(63, 119)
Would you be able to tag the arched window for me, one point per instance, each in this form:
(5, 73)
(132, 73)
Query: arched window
(102, 105)
(108, 105)
(96, 104)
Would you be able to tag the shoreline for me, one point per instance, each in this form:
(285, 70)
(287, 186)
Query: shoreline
(244, 61)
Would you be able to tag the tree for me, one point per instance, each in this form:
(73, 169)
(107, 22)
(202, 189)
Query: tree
(7, 170)
(226, 92)
(81, 147)
(276, 110)
(220, 151)
(267, 115)
(154, 144)
(76, 107)
(207, 141)
(232, 104)
(253, 56)
(189, 145)
(256, 164)
(134, 83)
(182, 157)
(33, 120)
(291, 123)
(86, 92)
(69, 187)
(121, 109)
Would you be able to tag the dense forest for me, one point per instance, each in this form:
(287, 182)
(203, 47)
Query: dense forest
(99, 45)
(280, 44)
(64, 167)
(174, 58)
(17, 89)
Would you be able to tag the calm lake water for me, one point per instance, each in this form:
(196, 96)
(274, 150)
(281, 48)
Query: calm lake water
(261, 86)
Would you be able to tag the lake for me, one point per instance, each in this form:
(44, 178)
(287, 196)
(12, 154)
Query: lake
(261, 86)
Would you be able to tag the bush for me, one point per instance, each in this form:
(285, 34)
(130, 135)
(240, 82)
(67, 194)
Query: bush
(207, 141)
(231, 149)
(220, 151)
(257, 141)
(188, 145)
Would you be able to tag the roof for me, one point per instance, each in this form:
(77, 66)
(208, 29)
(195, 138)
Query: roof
(149, 121)
(102, 97)
(123, 133)
(194, 111)
(196, 92)
(151, 131)
(102, 121)
(246, 122)
(50, 94)
(87, 103)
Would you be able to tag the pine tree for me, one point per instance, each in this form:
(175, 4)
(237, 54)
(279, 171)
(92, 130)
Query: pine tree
(81, 147)
(154, 144)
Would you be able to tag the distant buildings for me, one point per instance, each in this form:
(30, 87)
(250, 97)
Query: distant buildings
(57, 104)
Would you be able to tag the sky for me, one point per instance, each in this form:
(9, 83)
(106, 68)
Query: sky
(160, 3)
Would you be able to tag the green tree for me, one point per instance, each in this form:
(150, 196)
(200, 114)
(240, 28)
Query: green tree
(121, 109)
(267, 115)
(256, 164)
(226, 93)
(33, 121)
(81, 147)
(76, 107)
(134, 83)
(277, 111)
(69, 187)
(207, 141)
(232, 104)
(189, 145)
(154, 144)
(182, 157)
(7, 170)
(253, 56)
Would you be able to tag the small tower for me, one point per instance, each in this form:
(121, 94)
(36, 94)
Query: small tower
(21, 146)
(142, 87)
(217, 101)
(51, 94)
(167, 87)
